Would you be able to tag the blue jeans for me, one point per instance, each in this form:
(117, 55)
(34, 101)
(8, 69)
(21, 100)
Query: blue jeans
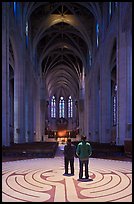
(82, 163)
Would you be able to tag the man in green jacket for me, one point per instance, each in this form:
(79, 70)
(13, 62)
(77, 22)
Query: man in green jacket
(83, 151)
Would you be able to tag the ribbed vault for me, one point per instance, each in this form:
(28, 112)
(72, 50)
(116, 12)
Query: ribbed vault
(61, 39)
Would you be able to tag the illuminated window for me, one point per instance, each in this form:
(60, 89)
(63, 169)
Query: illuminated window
(112, 6)
(53, 107)
(61, 107)
(97, 34)
(70, 107)
(110, 9)
(14, 8)
(90, 60)
(26, 33)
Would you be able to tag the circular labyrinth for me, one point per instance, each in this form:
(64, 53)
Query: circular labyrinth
(52, 186)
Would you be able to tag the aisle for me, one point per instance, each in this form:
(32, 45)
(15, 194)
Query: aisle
(60, 150)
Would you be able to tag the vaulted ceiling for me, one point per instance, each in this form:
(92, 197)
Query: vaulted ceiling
(62, 36)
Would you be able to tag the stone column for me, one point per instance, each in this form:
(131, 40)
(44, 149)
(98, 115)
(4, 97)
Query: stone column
(124, 77)
(43, 104)
(95, 114)
(91, 134)
(121, 89)
(81, 104)
(19, 91)
(34, 109)
(105, 102)
(22, 93)
(26, 108)
(32, 119)
(5, 74)
(129, 83)
(86, 104)
(31, 106)
(38, 125)
(124, 87)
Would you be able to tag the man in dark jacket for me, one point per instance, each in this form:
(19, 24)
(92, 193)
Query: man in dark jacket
(69, 154)
(83, 151)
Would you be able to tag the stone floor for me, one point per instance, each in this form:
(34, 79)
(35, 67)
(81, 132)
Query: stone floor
(42, 180)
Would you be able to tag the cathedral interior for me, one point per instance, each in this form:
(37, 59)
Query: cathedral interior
(66, 72)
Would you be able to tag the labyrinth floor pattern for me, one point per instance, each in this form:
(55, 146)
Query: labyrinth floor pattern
(42, 180)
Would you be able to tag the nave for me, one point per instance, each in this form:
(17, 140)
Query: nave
(42, 180)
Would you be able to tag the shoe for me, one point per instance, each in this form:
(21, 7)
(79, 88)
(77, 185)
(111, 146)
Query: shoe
(87, 177)
(65, 174)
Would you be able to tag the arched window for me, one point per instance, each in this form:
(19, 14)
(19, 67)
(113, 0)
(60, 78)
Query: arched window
(97, 34)
(53, 107)
(26, 31)
(15, 8)
(111, 9)
(70, 107)
(90, 58)
(61, 107)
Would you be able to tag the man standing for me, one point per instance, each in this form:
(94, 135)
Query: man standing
(69, 154)
(83, 151)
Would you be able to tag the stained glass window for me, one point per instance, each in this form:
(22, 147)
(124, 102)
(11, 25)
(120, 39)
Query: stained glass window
(61, 107)
(70, 107)
(26, 33)
(97, 34)
(53, 107)
(14, 8)
(111, 9)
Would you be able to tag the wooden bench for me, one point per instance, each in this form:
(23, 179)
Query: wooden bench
(35, 149)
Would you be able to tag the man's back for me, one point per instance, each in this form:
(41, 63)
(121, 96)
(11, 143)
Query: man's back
(69, 151)
(84, 150)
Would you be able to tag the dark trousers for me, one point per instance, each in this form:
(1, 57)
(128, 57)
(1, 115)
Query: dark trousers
(67, 161)
(83, 163)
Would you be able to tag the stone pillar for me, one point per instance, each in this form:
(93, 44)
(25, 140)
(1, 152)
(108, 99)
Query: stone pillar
(124, 74)
(81, 104)
(5, 74)
(16, 106)
(129, 83)
(31, 106)
(86, 105)
(19, 92)
(26, 108)
(121, 89)
(105, 102)
(38, 127)
(42, 117)
(95, 114)
(32, 119)
(43, 105)
(22, 94)
(34, 109)
(124, 87)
